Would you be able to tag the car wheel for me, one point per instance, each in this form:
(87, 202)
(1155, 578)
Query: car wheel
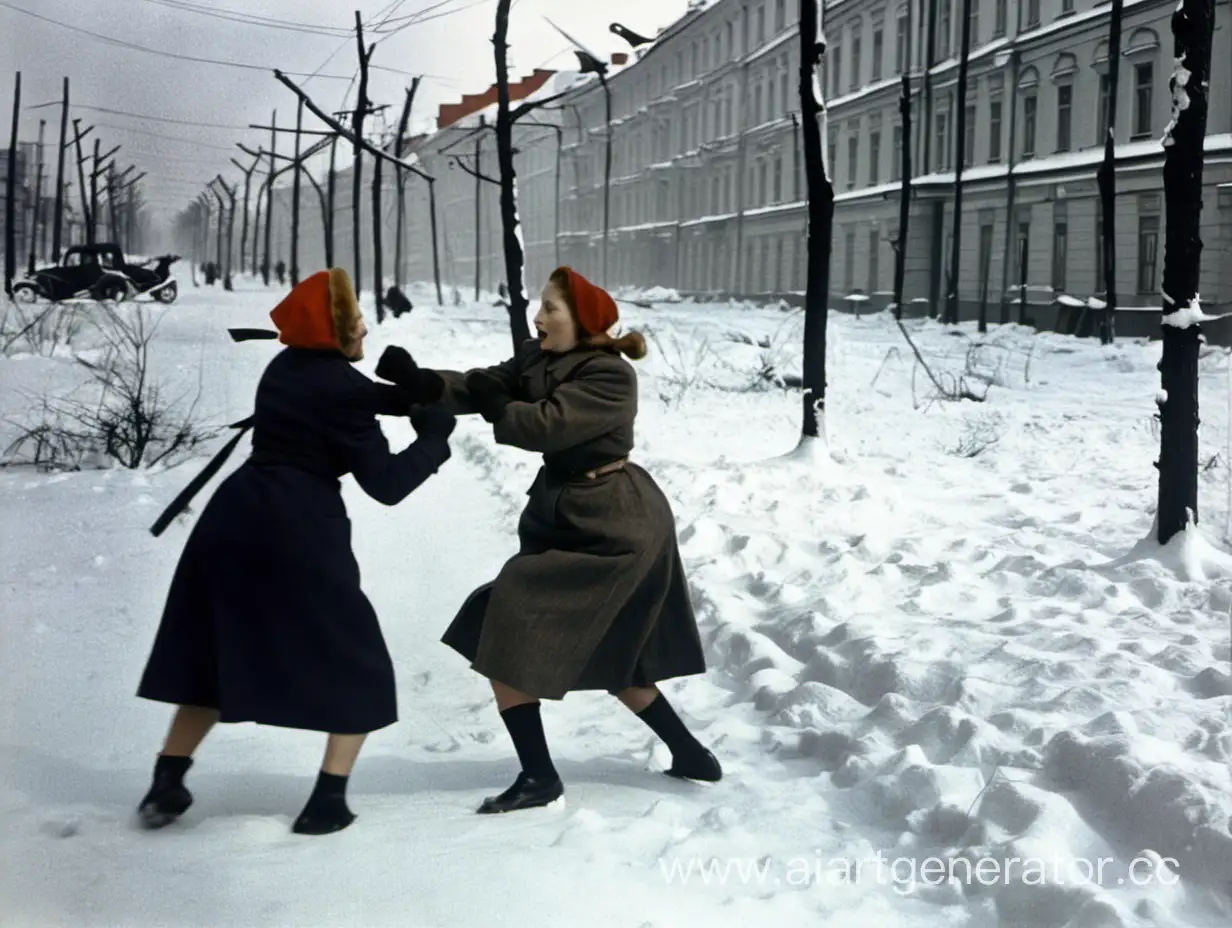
(168, 293)
(25, 293)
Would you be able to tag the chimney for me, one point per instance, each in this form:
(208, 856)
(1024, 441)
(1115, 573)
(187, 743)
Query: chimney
(620, 57)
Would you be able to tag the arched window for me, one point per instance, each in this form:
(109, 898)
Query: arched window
(1064, 66)
(1141, 42)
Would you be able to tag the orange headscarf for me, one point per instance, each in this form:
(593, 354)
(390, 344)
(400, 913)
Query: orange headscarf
(311, 315)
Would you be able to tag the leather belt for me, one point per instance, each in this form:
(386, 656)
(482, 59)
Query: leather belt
(605, 469)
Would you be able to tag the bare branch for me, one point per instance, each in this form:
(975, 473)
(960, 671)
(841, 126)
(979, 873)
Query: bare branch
(347, 134)
(472, 172)
(519, 111)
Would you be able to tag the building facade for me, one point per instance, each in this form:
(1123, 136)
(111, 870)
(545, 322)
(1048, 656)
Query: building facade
(707, 192)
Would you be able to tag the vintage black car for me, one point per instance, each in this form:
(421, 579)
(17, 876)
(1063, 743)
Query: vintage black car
(99, 272)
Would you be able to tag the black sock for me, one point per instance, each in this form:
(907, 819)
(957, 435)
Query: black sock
(327, 810)
(526, 729)
(664, 722)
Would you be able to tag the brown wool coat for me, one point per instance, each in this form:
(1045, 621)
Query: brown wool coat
(596, 597)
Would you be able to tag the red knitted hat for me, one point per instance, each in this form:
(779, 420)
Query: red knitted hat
(595, 309)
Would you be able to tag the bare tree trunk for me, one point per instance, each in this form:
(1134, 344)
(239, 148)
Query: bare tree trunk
(38, 200)
(607, 169)
(112, 215)
(1106, 176)
(231, 192)
(361, 108)
(1011, 190)
(820, 224)
(378, 243)
(1193, 27)
(224, 258)
(926, 115)
(81, 179)
(267, 265)
(403, 122)
(436, 259)
(904, 204)
(10, 203)
(58, 230)
(478, 198)
(333, 189)
(960, 143)
(514, 256)
(94, 172)
(205, 233)
(295, 190)
(256, 230)
(560, 153)
(222, 212)
(248, 172)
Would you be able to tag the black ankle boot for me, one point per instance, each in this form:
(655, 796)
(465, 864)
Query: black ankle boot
(526, 793)
(327, 810)
(168, 798)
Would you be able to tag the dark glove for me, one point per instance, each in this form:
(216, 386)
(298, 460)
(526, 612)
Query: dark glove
(488, 394)
(397, 366)
(433, 420)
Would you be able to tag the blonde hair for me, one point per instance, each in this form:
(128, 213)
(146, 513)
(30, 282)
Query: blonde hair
(631, 344)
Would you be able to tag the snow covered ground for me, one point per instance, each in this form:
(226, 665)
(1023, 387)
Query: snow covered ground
(948, 685)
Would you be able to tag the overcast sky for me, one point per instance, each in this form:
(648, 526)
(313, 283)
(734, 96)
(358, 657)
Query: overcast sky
(453, 51)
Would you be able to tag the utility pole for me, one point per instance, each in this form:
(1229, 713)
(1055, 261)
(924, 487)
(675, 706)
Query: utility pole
(38, 200)
(266, 267)
(96, 172)
(59, 217)
(10, 204)
(295, 187)
(361, 109)
(478, 204)
(78, 135)
(399, 150)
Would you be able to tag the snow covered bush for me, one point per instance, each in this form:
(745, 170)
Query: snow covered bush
(125, 417)
(979, 433)
(39, 329)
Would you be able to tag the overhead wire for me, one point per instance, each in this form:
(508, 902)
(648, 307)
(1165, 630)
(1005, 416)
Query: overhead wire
(120, 43)
(249, 18)
(115, 112)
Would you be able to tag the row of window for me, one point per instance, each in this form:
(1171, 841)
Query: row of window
(947, 40)
(944, 129)
(776, 263)
(1145, 266)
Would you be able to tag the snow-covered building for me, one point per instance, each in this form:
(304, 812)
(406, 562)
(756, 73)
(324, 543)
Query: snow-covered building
(707, 190)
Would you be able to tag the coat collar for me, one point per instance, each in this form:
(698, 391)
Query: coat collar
(561, 366)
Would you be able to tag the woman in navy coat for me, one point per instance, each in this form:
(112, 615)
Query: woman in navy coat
(265, 620)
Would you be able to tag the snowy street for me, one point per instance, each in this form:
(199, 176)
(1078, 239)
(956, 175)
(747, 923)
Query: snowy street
(924, 648)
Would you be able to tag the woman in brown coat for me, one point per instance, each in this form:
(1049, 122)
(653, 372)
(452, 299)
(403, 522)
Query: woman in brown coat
(596, 597)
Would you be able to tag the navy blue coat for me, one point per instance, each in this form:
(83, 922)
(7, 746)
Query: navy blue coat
(265, 619)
